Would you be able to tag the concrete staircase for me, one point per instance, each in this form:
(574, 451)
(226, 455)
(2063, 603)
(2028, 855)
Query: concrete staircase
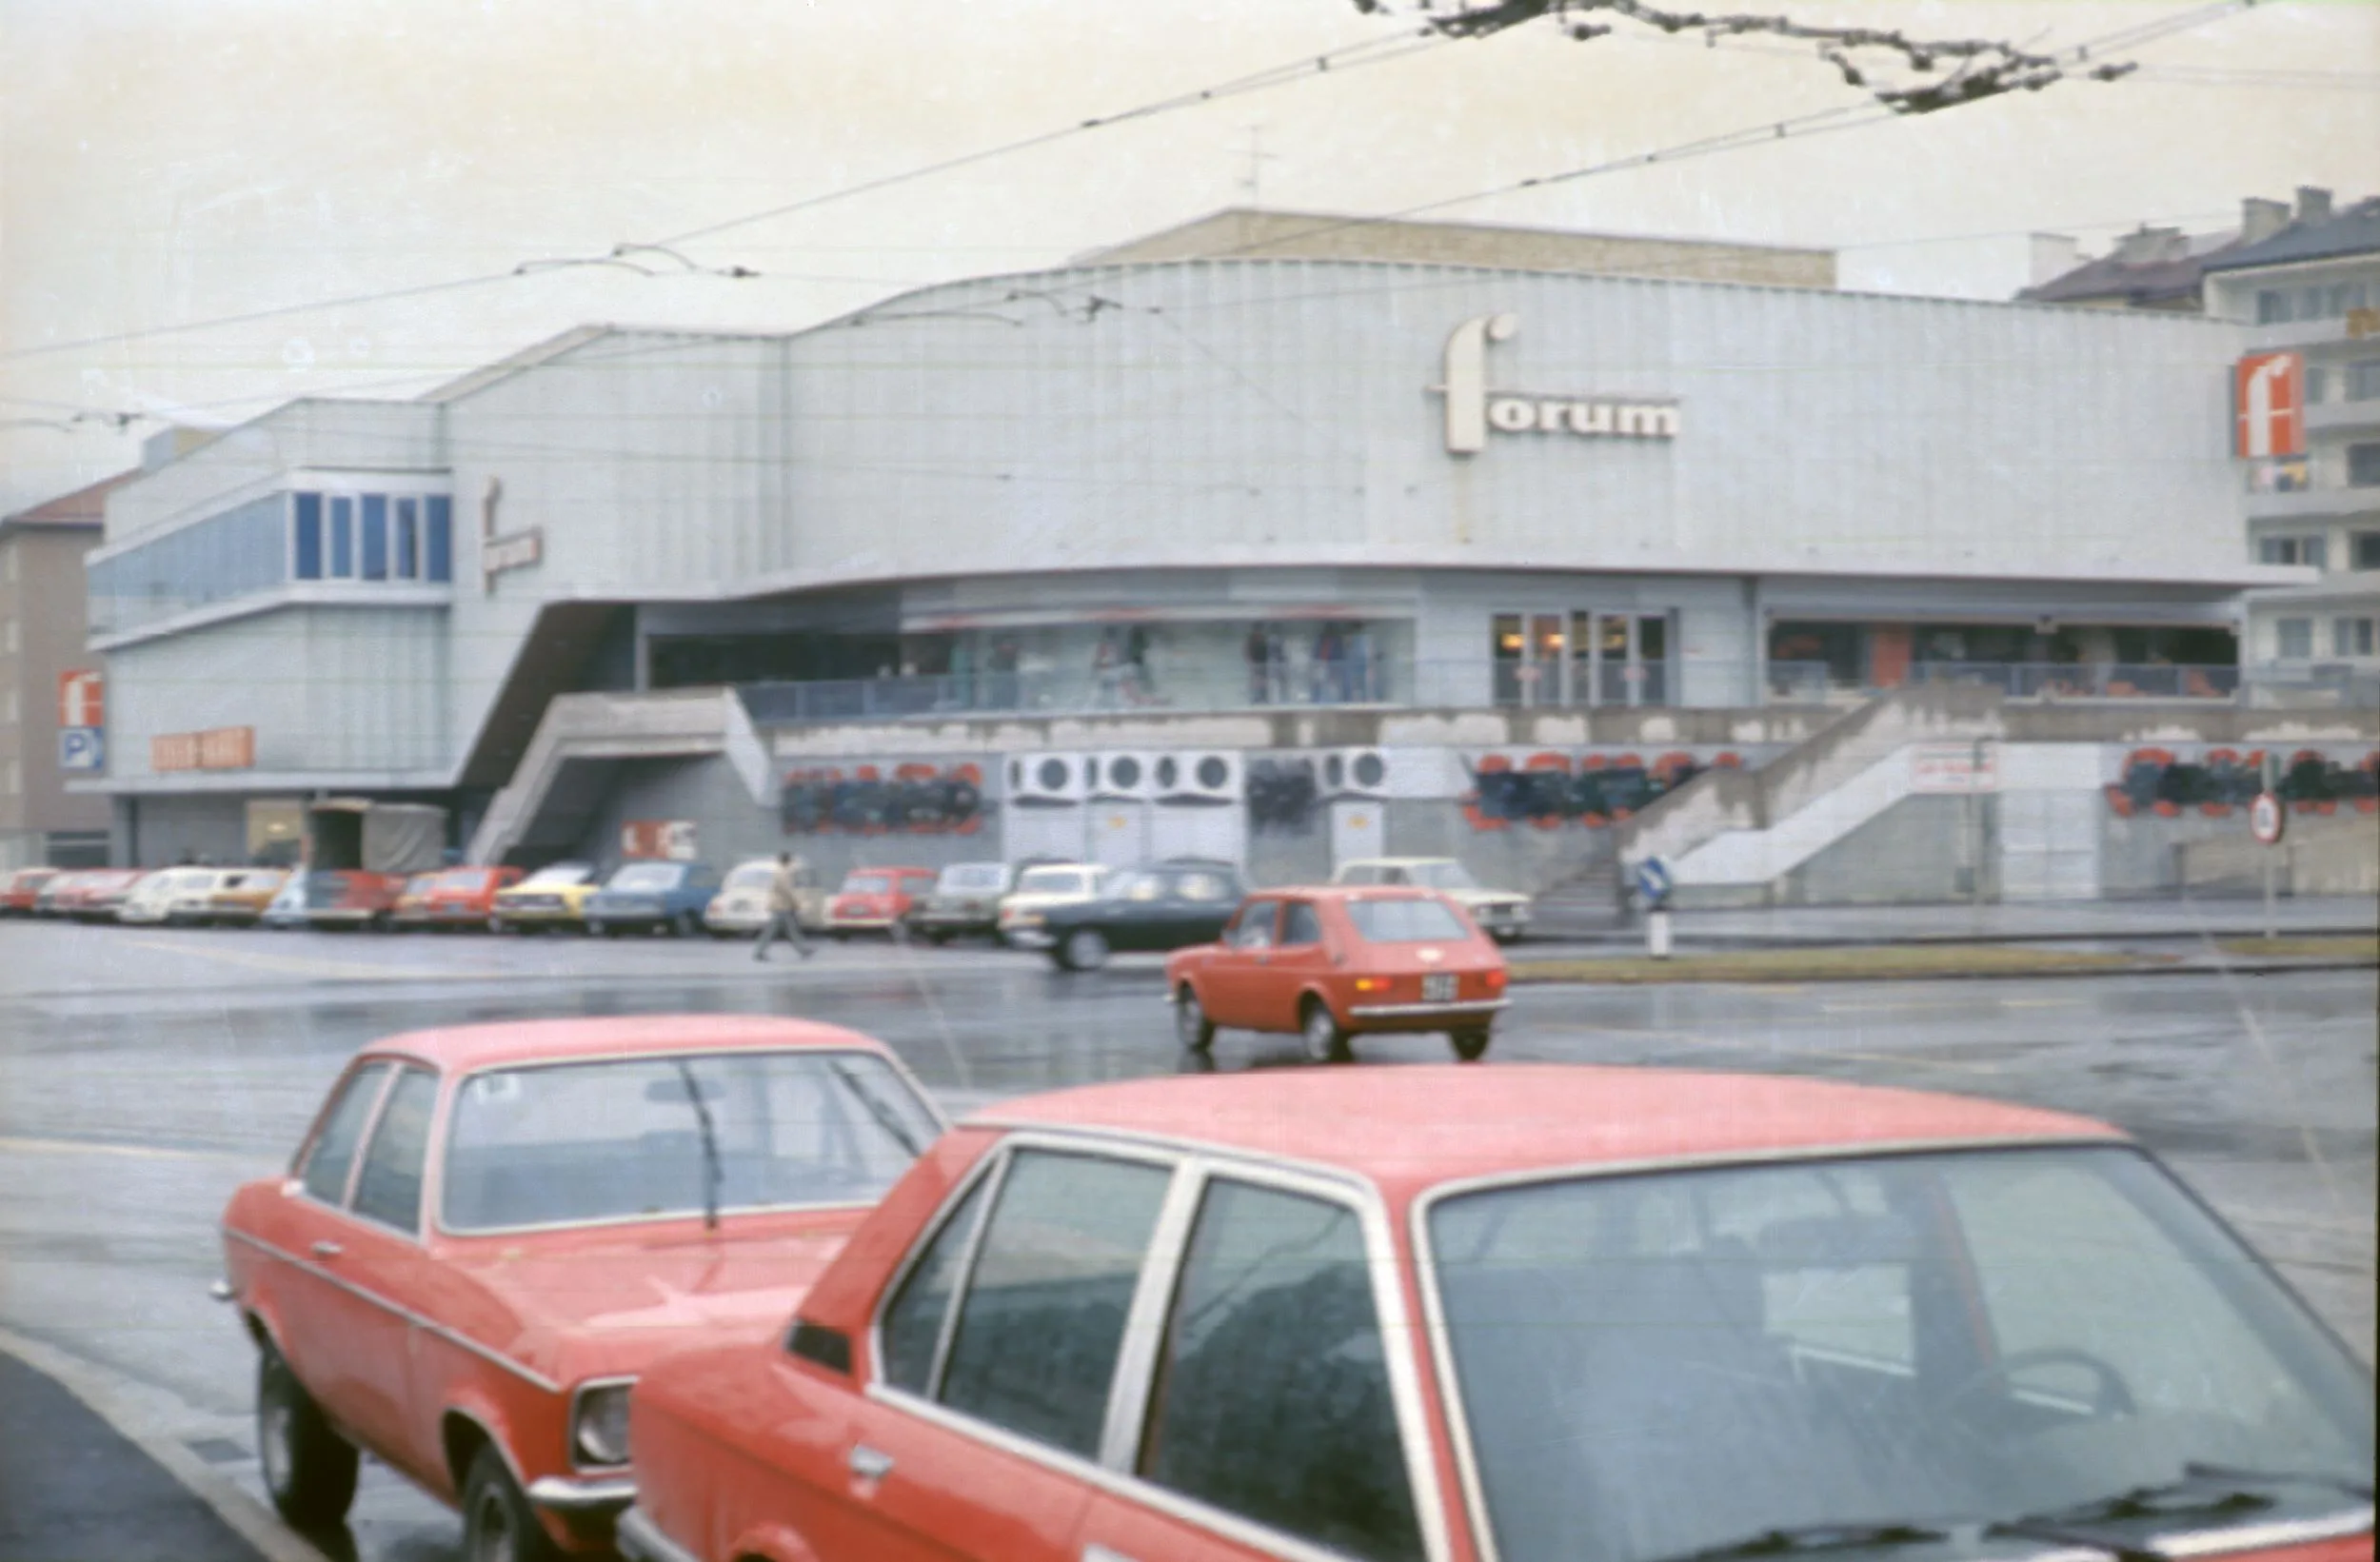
(584, 729)
(1745, 828)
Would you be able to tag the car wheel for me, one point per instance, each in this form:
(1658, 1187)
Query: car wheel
(1086, 949)
(308, 1469)
(1325, 1041)
(498, 1523)
(1469, 1045)
(1191, 1025)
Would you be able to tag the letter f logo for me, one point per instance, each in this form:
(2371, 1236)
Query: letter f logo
(1466, 380)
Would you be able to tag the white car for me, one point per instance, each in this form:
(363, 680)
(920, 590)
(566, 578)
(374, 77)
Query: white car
(172, 894)
(740, 907)
(1041, 887)
(1502, 915)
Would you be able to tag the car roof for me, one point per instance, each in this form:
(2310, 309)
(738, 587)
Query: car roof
(465, 1047)
(1392, 862)
(1412, 1127)
(1350, 892)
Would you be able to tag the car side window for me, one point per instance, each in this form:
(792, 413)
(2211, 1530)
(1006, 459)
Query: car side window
(1043, 1317)
(913, 1325)
(390, 1187)
(1299, 925)
(1253, 927)
(1360, 875)
(1395, 876)
(1272, 1400)
(328, 1162)
(1203, 886)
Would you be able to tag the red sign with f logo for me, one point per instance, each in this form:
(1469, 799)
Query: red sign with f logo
(2271, 395)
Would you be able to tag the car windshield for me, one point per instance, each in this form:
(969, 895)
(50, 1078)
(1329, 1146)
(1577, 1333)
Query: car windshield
(972, 879)
(1054, 882)
(868, 884)
(1446, 875)
(1654, 1365)
(647, 876)
(464, 879)
(752, 876)
(560, 872)
(1409, 921)
(622, 1139)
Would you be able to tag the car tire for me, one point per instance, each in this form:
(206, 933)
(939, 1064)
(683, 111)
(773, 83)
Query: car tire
(1325, 1041)
(1191, 1026)
(498, 1523)
(1085, 949)
(308, 1469)
(1469, 1045)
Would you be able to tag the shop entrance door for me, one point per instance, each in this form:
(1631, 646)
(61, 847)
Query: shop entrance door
(1358, 829)
(1529, 659)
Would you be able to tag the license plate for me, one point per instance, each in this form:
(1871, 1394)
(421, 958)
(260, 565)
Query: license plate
(1438, 989)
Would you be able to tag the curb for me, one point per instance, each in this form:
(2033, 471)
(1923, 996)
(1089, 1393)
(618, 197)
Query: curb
(1684, 979)
(246, 1518)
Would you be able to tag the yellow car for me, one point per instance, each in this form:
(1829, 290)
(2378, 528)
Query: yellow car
(242, 895)
(553, 897)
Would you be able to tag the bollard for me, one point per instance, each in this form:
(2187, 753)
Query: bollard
(1657, 932)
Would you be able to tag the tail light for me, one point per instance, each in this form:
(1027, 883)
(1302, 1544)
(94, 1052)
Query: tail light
(1495, 979)
(1371, 984)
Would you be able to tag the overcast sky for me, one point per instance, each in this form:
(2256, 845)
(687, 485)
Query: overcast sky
(172, 161)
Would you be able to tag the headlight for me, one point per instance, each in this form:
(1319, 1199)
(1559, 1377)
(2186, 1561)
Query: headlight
(599, 1424)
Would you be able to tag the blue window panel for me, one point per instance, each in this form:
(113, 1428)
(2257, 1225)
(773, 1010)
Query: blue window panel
(438, 546)
(409, 560)
(375, 537)
(342, 538)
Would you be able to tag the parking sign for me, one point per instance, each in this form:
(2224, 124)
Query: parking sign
(81, 748)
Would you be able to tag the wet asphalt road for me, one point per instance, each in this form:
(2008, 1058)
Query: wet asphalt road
(145, 1074)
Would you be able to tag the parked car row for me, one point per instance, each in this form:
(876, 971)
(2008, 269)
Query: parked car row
(728, 1289)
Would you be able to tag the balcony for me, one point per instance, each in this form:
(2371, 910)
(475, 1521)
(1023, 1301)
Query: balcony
(2311, 503)
(2343, 417)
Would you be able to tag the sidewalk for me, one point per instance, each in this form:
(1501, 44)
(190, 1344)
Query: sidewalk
(2106, 922)
(73, 1490)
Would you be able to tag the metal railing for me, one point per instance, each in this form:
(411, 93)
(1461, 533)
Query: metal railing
(1815, 683)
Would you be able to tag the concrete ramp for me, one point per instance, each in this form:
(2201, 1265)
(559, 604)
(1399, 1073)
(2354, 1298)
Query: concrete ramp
(1741, 827)
(580, 731)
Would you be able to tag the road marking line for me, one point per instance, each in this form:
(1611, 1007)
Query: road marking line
(11, 1145)
(102, 1391)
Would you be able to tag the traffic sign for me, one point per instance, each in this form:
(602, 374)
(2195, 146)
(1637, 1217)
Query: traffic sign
(2267, 819)
(81, 748)
(1654, 882)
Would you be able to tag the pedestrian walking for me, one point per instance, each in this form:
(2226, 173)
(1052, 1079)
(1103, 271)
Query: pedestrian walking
(784, 906)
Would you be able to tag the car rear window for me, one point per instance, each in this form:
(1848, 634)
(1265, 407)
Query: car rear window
(647, 876)
(1052, 881)
(867, 883)
(1413, 920)
(976, 876)
(752, 876)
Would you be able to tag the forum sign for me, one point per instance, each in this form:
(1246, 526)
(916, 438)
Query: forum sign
(1474, 411)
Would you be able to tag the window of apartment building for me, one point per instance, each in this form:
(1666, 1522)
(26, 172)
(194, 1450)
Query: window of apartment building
(2362, 466)
(2363, 380)
(2317, 301)
(2290, 550)
(2351, 637)
(2317, 384)
(2294, 637)
(2367, 549)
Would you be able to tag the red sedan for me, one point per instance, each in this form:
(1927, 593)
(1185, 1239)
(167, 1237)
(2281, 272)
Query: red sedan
(1331, 962)
(491, 1230)
(878, 900)
(1524, 1315)
(20, 889)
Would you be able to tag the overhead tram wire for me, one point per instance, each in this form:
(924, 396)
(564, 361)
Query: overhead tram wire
(1375, 50)
(1381, 50)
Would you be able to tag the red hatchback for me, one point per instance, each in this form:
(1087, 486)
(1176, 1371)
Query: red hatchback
(1332, 963)
(491, 1230)
(1533, 1313)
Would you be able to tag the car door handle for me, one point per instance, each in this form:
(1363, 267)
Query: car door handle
(328, 1249)
(868, 1464)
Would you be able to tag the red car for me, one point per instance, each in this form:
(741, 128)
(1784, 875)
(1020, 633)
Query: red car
(90, 895)
(1331, 962)
(877, 899)
(491, 1231)
(454, 898)
(22, 888)
(1533, 1313)
(352, 897)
